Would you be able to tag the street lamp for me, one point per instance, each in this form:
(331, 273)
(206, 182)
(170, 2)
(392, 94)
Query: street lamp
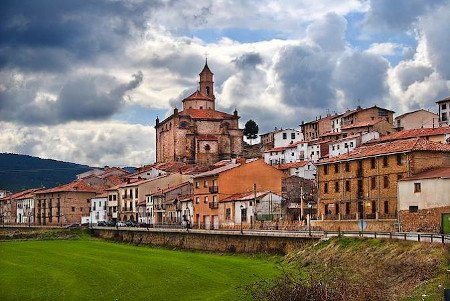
(242, 209)
(309, 218)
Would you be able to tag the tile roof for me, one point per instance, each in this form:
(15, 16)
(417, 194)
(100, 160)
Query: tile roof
(175, 187)
(292, 165)
(197, 95)
(406, 134)
(443, 100)
(75, 186)
(206, 114)
(442, 172)
(245, 196)
(282, 148)
(24, 194)
(396, 146)
(361, 124)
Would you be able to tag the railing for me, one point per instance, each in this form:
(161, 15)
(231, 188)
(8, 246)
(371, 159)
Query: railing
(213, 189)
(213, 205)
(330, 217)
(351, 216)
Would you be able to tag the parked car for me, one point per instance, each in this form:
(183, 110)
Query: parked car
(120, 224)
(130, 224)
(144, 225)
(111, 224)
(102, 224)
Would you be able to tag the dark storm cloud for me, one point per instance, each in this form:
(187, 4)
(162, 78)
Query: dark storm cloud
(362, 76)
(248, 60)
(81, 98)
(305, 73)
(47, 35)
(398, 14)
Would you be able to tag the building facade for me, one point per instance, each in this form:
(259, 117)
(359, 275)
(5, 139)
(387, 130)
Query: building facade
(199, 133)
(416, 120)
(444, 111)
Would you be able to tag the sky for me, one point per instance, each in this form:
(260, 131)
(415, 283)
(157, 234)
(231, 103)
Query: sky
(83, 81)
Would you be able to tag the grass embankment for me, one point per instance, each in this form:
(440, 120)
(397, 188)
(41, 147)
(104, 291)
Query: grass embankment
(90, 269)
(361, 269)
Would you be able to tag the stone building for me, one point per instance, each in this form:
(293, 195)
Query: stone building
(199, 133)
(416, 120)
(363, 183)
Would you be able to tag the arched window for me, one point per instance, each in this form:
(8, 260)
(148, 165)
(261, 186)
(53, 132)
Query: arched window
(207, 90)
(207, 147)
(184, 125)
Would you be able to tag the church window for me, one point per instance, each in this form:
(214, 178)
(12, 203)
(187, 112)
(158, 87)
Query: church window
(207, 90)
(183, 125)
(207, 147)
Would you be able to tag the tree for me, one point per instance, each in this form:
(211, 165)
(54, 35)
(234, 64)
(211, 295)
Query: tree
(251, 130)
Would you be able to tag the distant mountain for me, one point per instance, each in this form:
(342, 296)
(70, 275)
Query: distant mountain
(18, 172)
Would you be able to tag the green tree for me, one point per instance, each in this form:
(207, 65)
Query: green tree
(251, 130)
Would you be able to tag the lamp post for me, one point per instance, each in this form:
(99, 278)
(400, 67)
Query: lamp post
(309, 218)
(242, 208)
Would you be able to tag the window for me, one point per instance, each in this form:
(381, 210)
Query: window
(336, 186)
(336, 167)
(228, 214)
(205, 184)
(197, 184)
(206, 200)
(244, 214)
(347, 185)
(73, 209)
(197, 200)
(325, 169)
(284, 136)
(413, 209)
(347, 208)
(385, 161)
(351, 144)
(325, 187)
(399, 159)
(347, 166)
(444, 116)
(346, 145)
(372, 163)
(131, 193)
(399, 177)
(386, 182)
(444, 106)
(386, 207)
(417, 187)
(292, 135)
(373, 182)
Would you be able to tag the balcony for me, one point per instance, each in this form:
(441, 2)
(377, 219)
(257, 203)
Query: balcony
(213, 189)
(112, 203)
(213, 205)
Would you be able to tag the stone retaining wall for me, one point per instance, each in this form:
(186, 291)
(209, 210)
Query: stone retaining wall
(425, 220)
(353, 225)
(215, 241)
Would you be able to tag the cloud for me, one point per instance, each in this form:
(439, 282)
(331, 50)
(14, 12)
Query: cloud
(92, 143)
(362, 76)
(397, 15)
(84, 97)
(329, 32)
(388, 49)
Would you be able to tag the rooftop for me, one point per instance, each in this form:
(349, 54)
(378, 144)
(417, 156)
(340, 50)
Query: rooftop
(406, 134)
(206, 114)
(245, 196)
(75, 186)
(443, 100)
(392, 147)
(292, 165)
(436, 173)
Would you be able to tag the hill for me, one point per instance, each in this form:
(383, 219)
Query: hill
(18, 172)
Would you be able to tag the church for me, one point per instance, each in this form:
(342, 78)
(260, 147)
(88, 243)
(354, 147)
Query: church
(199, 134)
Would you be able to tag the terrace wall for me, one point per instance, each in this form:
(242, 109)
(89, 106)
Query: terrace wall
(215, 241)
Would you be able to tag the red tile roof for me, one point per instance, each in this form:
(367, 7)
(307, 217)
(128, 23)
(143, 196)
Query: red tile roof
(245, 196)
(25, 194)
(407, 134)
(292, 165)
(397, 146)
(206, 114)
(75, 186)
(442, 172)
(197, 95)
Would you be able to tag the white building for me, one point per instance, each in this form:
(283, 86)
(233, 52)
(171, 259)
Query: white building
(349, 143)
(25, 208)
(297, 151)
(444, 111)
(336, 123)
(286, 137)
(99, 212)
(302, 169)
(187, 210)
(2, 193)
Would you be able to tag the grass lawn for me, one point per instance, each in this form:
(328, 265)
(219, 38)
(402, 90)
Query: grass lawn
(90, 269)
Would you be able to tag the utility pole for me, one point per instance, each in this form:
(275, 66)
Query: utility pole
(301, 202)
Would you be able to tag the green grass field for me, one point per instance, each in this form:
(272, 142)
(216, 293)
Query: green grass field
(89, 269)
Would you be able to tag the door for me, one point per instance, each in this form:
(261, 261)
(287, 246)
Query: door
(216, 222)
(207, 222)
(446, 223)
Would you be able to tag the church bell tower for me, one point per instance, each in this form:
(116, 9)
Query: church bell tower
(206, 81)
